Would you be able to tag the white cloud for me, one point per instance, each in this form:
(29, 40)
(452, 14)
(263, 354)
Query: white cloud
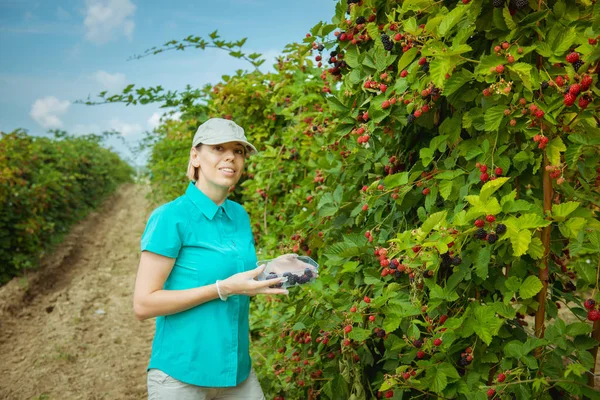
(47, 111)
(105, 18)
(86, 128)
(156, 118)
(111, 82)
(125, 128)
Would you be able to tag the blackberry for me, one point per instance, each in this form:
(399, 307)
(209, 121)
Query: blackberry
(418, 343)
(320, 47)
(315, 128)
(272, 275)
(578, 64)
(500, 229)
(545, 85)
(456, 260)
(519, 4)
(360, 20)
(381, 333)
(397, 274)
(410, 118)
(435, 91)
(308, 272)
(492, 237)
(425, 67)
(387, 43)
(480, 233)
(333, 53)
(498, 3)
(292, 279)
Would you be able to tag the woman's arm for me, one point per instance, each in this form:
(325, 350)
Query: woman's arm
(150, 300)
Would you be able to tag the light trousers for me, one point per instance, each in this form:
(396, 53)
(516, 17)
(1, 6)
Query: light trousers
(164, 387)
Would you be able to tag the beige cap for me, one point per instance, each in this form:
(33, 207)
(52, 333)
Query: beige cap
(219, 130)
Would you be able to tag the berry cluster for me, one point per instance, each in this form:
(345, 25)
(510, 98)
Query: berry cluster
(292, 279)
(485, 176)
(593, 311)
(555, 173)
(573, 58)
(491, 237)
(466, 357)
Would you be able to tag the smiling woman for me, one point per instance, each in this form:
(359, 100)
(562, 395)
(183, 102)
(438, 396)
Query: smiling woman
(198, 252)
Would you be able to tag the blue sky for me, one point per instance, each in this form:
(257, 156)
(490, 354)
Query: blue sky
(56, 52)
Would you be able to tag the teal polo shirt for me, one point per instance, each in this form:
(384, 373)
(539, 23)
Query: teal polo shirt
(206, 345)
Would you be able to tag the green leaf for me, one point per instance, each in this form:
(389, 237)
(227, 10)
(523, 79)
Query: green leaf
(438, 379)
(482, 262)
(529, 221)
(553, 150)
(520, 241)
(578, 328)
(485, 323)
(563, 41)
(407, 58)
(391, 322)
(536, 249)
(351, 57)
(572, 226)
(359, 334)
(451, 19)
(433, 220)
(395, 180)
(491, 187)
(508, 19)
(513, 284)
(514, 349)
(445, 189)
(530, 287)
(561, 211)
(493, 118)
(523, 71)
(438, 69)
(456, 81)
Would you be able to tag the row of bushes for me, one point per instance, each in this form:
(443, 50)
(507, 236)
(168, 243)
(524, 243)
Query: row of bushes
(47, 184)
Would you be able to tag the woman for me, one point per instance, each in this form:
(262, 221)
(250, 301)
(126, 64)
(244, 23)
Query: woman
(196, 274)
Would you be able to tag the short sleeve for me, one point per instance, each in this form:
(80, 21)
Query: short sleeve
(162, 234)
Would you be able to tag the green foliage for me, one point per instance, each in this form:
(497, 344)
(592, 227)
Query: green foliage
(47, 184)
(383, 185)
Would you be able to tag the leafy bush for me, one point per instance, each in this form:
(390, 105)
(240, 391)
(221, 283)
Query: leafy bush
(46, 185)
(442, 169)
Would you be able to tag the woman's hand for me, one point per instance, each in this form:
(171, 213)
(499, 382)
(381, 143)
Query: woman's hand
(244, 283)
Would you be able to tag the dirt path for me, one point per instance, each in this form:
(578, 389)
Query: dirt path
(68, 331)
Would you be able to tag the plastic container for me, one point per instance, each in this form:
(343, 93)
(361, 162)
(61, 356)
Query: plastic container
(299, 270)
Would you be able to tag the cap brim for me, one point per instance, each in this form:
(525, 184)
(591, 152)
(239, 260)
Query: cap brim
(251, 149)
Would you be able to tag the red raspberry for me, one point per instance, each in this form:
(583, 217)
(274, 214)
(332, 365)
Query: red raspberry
(360, 131)
(383, 88)
(484, 177)
(594, 315)
(505, 45)
(491, 392)
(383, 76)
(589, 304)
(353, 309)
(572, 57)
(466, 1)
(583, 102)
(586, 82)
(425, 108)
(398, 37)
(418, 113)
(365, 207)
(437, 342)
(483, 168)
(511, 59)
(389, 394)
(575, 89)
(500, 69)
(513, 122)
(498, 171)
(366, 299)
(592, 41)
(443, 319)
(479, 223)
(486, 92)
(371, 318)
(426, 191)
(569, 100)
(348, 328)
(559, 81)
(490, 218)
(385, 104)
(422, 60)
(420, 354)
(539, 114)
(406, 375)
(501, 377)
(404, 73)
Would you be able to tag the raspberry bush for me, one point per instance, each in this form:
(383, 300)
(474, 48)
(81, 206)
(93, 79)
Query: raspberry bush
(440, 161)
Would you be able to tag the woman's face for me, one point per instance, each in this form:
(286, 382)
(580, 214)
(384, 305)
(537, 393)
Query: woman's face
(220, 164)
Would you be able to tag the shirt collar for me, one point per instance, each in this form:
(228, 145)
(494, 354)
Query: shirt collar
(205, 204)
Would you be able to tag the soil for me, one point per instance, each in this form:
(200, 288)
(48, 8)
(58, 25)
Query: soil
(67, 331)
